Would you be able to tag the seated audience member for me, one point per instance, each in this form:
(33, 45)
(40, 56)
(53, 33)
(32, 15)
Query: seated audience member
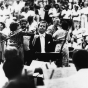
(80, 59)
(13, 63)
(2, 37)
(43, 42)
(77, 80)
(13, 67)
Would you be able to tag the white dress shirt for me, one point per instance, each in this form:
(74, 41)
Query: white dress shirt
(42, 42)
(52, 12)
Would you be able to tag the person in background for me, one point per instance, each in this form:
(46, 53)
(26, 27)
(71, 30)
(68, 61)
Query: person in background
(46, 17)
(27, 39)
(13, 67)
(24, 12)
(54, 27)
(76, 17)
(2, 13)
(52, 11)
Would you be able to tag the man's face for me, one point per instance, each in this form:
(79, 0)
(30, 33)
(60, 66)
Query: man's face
(42, 28)
(54, 19)
(23, 24)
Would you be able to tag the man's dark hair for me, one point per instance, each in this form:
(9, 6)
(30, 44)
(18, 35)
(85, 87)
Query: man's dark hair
(13, 68)
(64, 25)
(30, 19)
(43, 21)
(13, 63)
(80, 59)
(13, 26)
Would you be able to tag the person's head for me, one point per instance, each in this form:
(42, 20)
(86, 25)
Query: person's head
(26, 9)
(66, 7)
(2, 7)
(14, 26)
(13, 64)
(10, 52)
(2, 26)
(30, 19)
(56, 20)
(80, 59)
(42, 27)
(57, 6)
(76, 7)
(52, 5)
(64, 25)
(7, 5)
(18, 1)
(23, 23)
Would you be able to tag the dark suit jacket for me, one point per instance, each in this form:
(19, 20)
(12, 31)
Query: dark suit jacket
(49, 47)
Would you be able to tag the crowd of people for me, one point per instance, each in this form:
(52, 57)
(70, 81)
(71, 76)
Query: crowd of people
(36, 32)
(38, 28)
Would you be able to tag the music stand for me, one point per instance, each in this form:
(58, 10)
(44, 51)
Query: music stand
(47, 57)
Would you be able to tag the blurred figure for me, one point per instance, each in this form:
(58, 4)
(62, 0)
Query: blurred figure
(78, 61)
(79, 80)
(54, 27)
(76, 17)
(52, 10)
(61, 36)
(2, 37)
(32, 24)
(16, 38)
(13, 67)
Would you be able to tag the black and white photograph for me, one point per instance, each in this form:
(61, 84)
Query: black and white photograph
(43, 43)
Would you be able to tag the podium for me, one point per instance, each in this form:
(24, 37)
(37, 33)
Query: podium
(47, 57)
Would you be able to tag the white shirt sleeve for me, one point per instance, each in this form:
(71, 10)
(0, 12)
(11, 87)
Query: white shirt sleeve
(6, 31)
